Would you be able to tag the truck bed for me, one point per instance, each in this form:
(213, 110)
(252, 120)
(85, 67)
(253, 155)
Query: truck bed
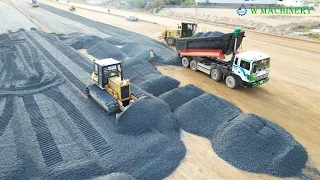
(211, 46)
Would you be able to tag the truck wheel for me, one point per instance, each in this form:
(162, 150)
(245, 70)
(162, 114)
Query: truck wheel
(231, 82)
(185, 62)
(216, 74)
(170, 41)
(193, 65)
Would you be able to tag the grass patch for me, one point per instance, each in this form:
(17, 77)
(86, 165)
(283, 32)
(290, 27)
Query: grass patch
(306, 28)
(313, 36)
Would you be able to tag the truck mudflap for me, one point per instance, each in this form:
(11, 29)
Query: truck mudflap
(258, 83)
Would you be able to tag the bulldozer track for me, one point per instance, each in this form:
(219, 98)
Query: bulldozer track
(6, 115)
(48, 147)
(74, 56)
(101, 146)
(74, 80)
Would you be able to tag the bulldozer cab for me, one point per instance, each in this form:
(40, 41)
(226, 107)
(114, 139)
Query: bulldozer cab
(105, 69)
(188, 29)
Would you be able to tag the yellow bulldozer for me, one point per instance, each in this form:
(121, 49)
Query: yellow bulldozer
(186, 29)
(109, 88)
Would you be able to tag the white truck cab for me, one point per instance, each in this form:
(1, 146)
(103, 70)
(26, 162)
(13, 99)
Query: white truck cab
(252, 67)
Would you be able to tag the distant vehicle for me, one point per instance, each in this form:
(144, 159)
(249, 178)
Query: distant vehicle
(34, 3)
(72, 8)
(186, 29)
(131, 18)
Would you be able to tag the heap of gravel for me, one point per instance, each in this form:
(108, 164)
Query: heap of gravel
(180, 96)
(139, 71)
(145, 115)
(206, 34)
(252, 143)
(203, 114)
(78, 40)
(115, 41)
(215, 34)
(198, 34)
(103, 49)
(90, 41)
(159, 85)
(75, 41)
(118, 176)
(132, 48)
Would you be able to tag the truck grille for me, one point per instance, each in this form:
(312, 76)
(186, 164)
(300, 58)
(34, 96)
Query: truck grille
(260, 77)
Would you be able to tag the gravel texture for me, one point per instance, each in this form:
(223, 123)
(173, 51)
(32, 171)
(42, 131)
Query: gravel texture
(252, 143)
(180, 96)
(159, 85)
(103, 50)
(203, 114)
(49, 129)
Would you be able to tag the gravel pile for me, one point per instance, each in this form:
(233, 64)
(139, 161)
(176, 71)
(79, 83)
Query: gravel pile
(205, 34)
(116, 41)
(145, 115)
(215, 34)
(180, 96)
(139, 71)
(102, 50)
(198, 34)
(90, 41)
(252, 143)
(203, 114)
(159, 85)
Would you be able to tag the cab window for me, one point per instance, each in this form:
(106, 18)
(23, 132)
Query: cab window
(178, 33)
(245, 65)
(96, 68)
(236, 61)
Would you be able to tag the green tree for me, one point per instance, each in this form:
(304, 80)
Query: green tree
(175, 2)
(159, 3)
(139, 3)
(188, 2)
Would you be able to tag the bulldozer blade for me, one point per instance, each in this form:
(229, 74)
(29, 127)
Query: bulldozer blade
(103, 98)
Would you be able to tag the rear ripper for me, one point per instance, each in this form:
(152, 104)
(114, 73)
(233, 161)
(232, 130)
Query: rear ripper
(207, 54)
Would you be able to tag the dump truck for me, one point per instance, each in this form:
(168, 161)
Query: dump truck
(187, 29)
(109, 88)
(208, 55)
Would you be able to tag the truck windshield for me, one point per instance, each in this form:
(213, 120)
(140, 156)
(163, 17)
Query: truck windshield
(260, 65)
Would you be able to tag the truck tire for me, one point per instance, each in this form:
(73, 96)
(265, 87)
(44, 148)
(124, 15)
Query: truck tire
(216, 74)
(171, 41)
(193, 65)
(231, 82)
(185, 62)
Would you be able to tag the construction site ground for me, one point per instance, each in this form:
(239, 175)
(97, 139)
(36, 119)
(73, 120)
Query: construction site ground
(291, 99)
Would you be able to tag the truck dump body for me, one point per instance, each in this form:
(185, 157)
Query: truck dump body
(210, 45)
